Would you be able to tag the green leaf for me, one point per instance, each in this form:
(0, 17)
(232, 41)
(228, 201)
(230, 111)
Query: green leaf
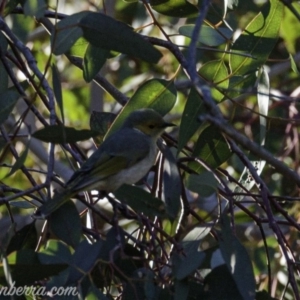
(212, 148)
(65, 224)
(157, 94)
(60, 134)
(174, 8)
(140, 201)
(215, 72)
(25, 238)
(189, 121)
(95, 294)
(22, 261)
(237, 260)
(105, 32)
(263, 98)
(3, 73)
(78, 49)
(181, 289)
(8, 100)
(34, 8)
(115, 238)
(290, 28)
(171, 183)
(56, 81)
(82, 263)
(100, 122)
(93, 61)
(55, 252)
(208, 36)
(186, 263)
(240, 84)
(220, 285)
(22, 204)
(20, 161)
(293, 65)
(66, 33)
(204, 184)
(258, 39)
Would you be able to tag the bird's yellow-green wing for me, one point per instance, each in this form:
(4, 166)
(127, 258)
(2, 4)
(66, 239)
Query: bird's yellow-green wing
(120, 151)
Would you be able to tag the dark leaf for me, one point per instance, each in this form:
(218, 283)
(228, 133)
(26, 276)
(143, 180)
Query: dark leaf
(237, 260)
(93, 61)
(25, 238)
(34, 8)
(20, 161)
(56, 81)
(171, 183)
(140, 201)
(65, 224)
(66, 33)
(82, 263)
(26, 268)
(219, 284)
(204, 184)
(189, 121)
(8, 100)
(60, 134)
(212, 148)
(101, 121)
(105, 32)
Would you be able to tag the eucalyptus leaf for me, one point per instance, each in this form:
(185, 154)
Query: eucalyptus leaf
(140, 201)
(60, 134)
(237, 260)
(65, 224)
(208, 35)
(157, 94)
(212, 148)
(8, 100)
(66, 33)
(174, 8)
(105, 32)
(258, 39)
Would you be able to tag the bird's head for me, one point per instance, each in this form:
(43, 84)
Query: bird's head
(147, 121)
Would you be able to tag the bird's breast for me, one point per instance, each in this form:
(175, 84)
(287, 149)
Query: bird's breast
(133, 173)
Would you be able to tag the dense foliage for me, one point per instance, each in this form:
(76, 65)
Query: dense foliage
(217, 217)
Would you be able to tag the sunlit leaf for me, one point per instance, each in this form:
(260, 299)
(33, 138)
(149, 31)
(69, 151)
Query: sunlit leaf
(174, 8)
(258, 39)
(215, 71)
(157, 94)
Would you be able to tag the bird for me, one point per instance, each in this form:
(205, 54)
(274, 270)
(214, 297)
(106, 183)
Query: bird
(124, 157)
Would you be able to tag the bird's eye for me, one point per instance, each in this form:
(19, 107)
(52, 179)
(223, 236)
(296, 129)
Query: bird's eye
(151, 126)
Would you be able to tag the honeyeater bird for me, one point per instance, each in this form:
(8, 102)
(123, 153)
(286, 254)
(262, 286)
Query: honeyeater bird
(124, 157)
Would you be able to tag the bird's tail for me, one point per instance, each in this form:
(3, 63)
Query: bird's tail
(53, 204)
